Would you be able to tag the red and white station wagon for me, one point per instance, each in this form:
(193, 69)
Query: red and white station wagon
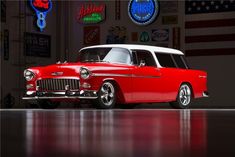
(118, 74)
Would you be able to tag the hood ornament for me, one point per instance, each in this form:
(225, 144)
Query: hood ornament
(57, 73)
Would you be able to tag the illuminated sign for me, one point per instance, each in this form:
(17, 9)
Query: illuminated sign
(41, 7)
(143, 12)
(91, 13)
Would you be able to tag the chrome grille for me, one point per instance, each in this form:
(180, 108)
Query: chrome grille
(57, 84)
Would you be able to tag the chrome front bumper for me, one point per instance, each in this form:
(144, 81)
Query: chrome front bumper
(83, 94)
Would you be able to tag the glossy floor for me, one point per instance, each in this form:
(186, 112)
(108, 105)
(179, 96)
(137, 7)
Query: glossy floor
(117, 133)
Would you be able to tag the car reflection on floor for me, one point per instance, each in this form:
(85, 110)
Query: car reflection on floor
(104, 133)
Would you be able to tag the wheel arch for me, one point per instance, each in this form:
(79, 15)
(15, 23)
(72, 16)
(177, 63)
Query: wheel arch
(190, 85)
(119, 94)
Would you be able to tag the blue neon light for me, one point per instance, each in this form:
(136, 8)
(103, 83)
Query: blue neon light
(143, 12)
(41, 12)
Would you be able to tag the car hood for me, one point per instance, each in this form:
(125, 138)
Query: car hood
(73, 69)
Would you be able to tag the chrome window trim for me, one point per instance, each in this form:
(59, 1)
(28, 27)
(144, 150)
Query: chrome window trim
(129, 64)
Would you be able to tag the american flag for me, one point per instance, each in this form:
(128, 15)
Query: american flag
(209, 27)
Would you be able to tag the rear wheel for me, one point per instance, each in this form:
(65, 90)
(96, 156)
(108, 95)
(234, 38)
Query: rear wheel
(48, 104)
(106, 96)
(184, 97)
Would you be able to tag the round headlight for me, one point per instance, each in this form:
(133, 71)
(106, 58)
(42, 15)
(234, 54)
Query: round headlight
(29, 75)
(85, 73)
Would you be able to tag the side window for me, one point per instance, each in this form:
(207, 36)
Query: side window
(180, 63)
(165, 60)
(143, 55)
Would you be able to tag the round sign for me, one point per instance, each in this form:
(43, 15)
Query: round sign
(143, 12)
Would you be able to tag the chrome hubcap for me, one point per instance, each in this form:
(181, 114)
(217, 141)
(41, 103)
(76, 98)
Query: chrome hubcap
(107, 93)
(185, 95)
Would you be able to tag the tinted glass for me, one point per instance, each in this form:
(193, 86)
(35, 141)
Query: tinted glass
(112, 55)
(146, 56)
(165, 60)
(179, 61)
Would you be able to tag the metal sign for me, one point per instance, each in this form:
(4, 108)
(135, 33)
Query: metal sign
(91, 35)
(91, 13)
(37, 45)
(160, 35)
(41, 7)
(143, 12)
(117, 35)
(144, 37)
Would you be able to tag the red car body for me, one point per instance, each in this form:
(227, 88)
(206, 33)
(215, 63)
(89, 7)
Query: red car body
(133, 83)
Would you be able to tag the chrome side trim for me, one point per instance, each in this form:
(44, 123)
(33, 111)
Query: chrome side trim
(119, 75)
(122, 75)
(146, 76)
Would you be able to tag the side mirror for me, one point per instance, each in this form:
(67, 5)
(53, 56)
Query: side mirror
(142, 63)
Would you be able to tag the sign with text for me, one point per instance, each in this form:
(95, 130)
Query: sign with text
(160, 35)
(91, 13)
(143, 12)
(37, 45)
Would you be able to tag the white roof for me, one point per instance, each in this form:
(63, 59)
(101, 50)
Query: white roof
(136, 47)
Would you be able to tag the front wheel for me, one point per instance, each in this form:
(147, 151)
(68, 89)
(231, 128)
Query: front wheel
(106, 96)
(48, 104)
(184, 97)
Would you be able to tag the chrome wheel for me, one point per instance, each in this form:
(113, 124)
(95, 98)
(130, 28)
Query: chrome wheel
(185, 95)
(107, 94)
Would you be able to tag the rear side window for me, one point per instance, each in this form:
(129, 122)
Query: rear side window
(144, 55)
(179, 61)
(165, 60)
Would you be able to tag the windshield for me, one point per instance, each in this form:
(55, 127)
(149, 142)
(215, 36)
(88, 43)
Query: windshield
(111, 55)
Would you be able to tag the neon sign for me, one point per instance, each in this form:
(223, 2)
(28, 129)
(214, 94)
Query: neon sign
(143, 12)
(91, 13)
(41, 7)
